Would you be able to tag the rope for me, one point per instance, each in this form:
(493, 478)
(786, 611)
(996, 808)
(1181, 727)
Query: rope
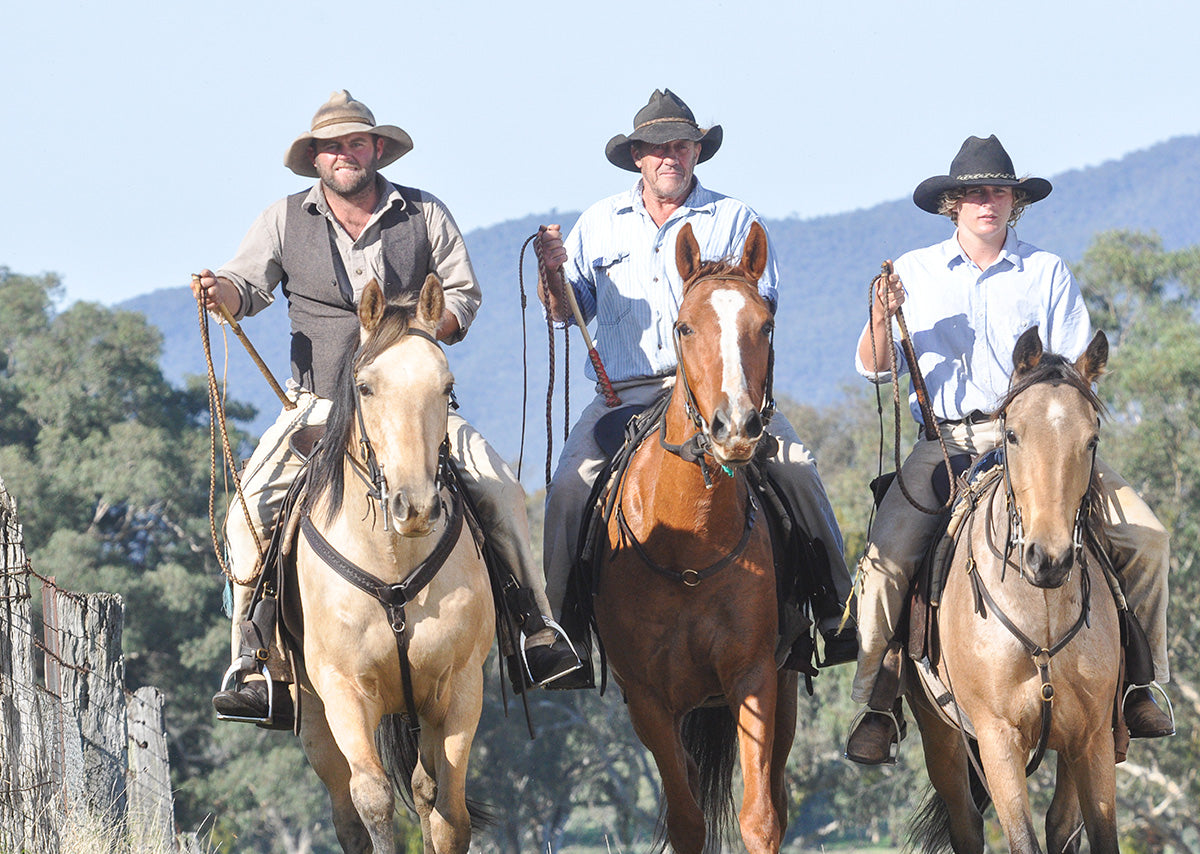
(216, 410)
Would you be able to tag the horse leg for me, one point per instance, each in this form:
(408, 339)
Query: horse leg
(448, 746)
(1064, 822)
(756, 718)
(1094, 772)
(353, 719)
(658, 729)
(1002, 750)
(786, 702)
(330, 765)
(948, 766)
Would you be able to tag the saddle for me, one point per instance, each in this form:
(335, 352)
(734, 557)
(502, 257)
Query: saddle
(804, 589)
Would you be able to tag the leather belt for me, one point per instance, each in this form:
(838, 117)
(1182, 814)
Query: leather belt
(975, 416)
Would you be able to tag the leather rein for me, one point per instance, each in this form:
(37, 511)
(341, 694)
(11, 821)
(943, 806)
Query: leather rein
(695, 449)
(393, 596)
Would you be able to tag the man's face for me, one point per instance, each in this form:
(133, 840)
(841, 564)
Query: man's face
(984, 211)
(347, 164)
(667, 167)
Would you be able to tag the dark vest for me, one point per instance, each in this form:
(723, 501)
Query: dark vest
(324, 319)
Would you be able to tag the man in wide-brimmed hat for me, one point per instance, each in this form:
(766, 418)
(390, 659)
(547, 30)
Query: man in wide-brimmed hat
(619, 259)
(966, 302)
(325, 244)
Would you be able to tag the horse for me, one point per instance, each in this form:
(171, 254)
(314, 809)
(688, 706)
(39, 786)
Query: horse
(685, 603)
(386, 428)
(1028, 628)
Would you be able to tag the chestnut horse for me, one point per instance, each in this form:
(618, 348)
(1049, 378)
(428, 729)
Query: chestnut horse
(403, 648)
(685, 603)
(1029, 635)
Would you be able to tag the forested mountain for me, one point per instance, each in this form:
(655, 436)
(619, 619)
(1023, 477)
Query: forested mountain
(825, 263)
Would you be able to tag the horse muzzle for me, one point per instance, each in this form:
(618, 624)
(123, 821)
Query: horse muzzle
(735, 433)
(412, 517)
(1045, 570)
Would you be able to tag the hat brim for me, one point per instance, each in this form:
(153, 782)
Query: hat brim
(619, 154)
(397, 143)
(928, 194)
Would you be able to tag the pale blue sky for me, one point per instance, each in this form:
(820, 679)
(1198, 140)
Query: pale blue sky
(141, 138)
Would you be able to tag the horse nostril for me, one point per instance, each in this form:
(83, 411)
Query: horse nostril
(401, 508)
(754, 426)
(720, 425)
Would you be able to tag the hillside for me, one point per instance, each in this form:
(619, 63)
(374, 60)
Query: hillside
(826, 264)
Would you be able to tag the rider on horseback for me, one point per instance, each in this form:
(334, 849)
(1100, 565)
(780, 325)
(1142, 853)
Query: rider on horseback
(324, 246)
(967, 301)
(613, 263)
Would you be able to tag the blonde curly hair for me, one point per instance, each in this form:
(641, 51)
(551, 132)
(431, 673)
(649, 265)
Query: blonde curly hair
(948, 204)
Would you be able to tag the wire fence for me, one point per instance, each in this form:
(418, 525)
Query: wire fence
(76, 747)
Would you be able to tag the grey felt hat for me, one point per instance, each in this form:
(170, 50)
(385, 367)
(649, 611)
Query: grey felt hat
(664, 118)
(339, 116)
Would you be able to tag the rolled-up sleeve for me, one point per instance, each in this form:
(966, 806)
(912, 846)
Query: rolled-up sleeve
(449, 259)
(257, 267)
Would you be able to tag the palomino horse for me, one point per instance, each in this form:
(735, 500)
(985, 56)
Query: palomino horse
(1029, 635)
(386, 429)
(686, 599)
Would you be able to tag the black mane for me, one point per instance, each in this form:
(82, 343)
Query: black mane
(326, 470)
(1055, 369)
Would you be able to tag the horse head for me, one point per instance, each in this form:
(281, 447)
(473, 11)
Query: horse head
(402, 385)
(723, 341)
(1051, 427)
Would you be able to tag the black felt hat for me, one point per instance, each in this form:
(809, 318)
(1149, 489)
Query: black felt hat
(979, 163)
(664, 118)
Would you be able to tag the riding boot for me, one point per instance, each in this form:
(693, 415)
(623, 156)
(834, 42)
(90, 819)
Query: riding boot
(251, 699)
(1143, 716)
(871, 740)
(544, 655)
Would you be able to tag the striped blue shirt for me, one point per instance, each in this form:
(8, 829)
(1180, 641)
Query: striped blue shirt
(965, 322)
(622, 267)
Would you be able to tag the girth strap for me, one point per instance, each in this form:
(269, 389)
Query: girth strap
(393, 597)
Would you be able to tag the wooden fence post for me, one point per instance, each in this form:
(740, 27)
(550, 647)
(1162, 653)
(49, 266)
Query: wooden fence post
(29, 803)
(151, 807)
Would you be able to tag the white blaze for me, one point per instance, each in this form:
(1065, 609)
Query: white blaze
(727, 304)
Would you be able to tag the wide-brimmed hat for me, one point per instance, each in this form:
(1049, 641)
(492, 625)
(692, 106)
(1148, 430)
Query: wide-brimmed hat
(339, 116)
(979, 163)
(664, 118)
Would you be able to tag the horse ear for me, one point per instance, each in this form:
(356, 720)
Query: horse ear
(754, 255)
(1028, 351)
(432, 301)
(1091, 364)
(687, 253)
(371, 305)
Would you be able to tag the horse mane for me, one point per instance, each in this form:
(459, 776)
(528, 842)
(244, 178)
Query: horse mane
(722, 268)
(326, 475)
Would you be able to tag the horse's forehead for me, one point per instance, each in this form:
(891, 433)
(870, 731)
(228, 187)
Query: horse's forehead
(410, 357)
(1059, 406)
(727, 300)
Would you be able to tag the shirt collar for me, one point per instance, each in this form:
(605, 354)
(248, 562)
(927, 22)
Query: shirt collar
(700, 200)
(389, 196)
(953, 254)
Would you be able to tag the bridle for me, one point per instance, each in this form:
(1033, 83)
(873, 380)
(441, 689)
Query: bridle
(366, 465)
(696, 447)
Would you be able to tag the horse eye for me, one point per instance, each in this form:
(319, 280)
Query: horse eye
(768, 328)
(1010, 437)
(1093, 443)
(684, 329)
(364, 390)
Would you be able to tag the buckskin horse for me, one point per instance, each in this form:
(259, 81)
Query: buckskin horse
(1029, 636)
(404, 624)
(685, 603)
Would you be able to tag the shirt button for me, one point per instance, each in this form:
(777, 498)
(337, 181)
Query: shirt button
(358, 272)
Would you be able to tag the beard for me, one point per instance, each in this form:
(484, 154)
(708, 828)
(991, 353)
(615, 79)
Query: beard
(348, 183)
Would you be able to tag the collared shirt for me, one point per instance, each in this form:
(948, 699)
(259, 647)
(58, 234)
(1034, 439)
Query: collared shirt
(622, 267)
(965, 322)
(257, 267)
